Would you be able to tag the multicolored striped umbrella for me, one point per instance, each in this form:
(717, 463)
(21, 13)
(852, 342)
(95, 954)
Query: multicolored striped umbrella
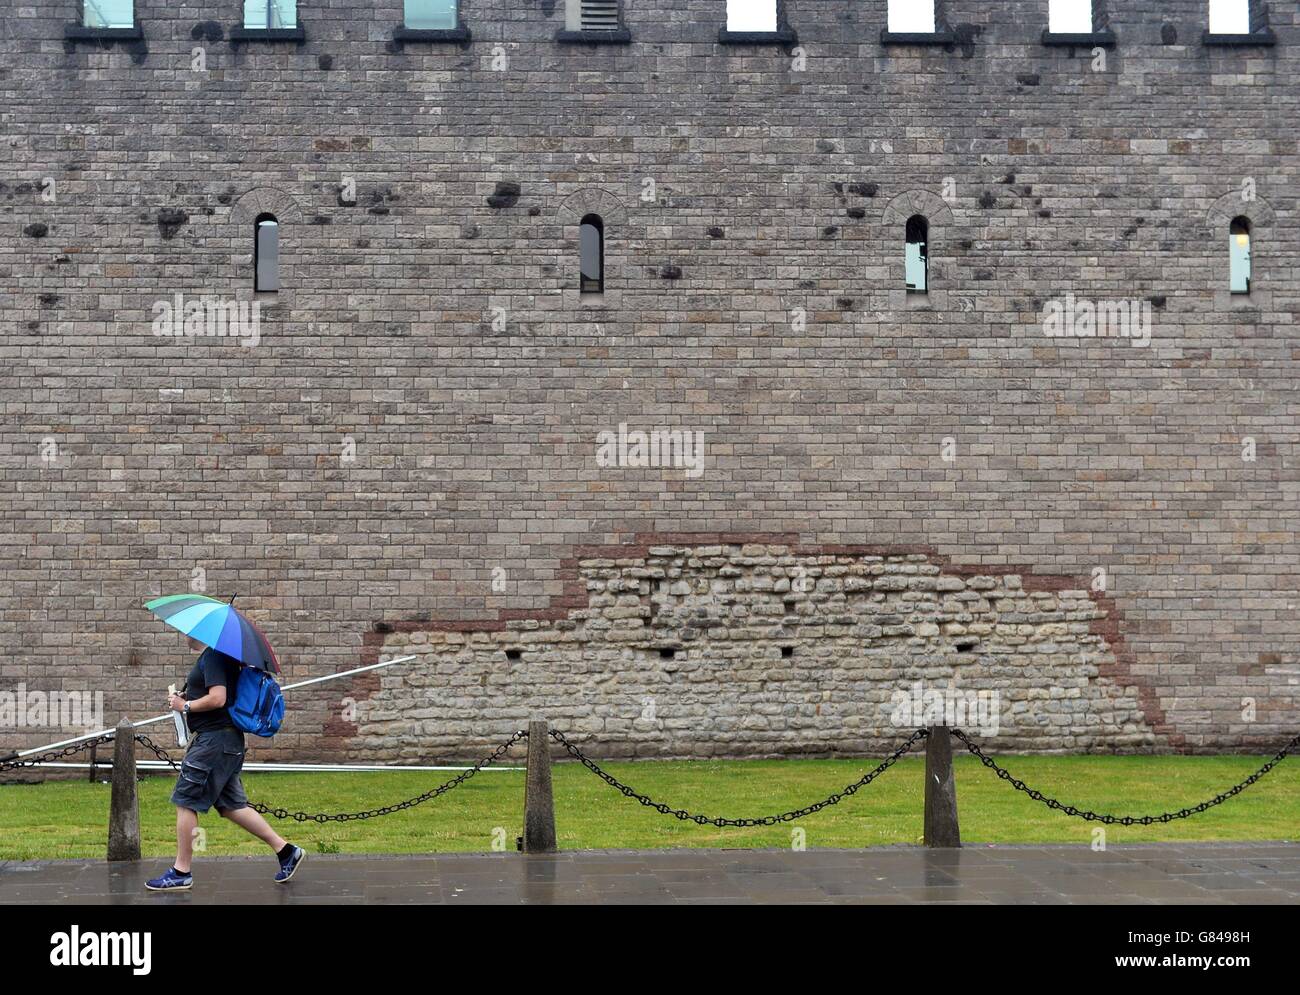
(217, 624)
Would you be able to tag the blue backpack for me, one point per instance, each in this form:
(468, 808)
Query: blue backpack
(259, 705)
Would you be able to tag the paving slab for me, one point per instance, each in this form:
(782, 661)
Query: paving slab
(1182, 873)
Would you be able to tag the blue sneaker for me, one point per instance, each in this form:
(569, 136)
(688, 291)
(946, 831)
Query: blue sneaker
(173, 880)
(290, 864)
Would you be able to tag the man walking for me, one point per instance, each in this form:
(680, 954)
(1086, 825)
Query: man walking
(209, 775)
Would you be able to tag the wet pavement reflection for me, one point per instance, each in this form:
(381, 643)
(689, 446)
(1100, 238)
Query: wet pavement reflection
(1190, 873)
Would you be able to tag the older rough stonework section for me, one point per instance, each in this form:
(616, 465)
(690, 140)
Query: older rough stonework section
(759, 650)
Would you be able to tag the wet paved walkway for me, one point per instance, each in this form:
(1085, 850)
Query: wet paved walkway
(1188, 873)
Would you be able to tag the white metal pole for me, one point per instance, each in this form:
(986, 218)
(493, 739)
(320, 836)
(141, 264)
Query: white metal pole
(346, 673)
(270, 767)
(168, 715)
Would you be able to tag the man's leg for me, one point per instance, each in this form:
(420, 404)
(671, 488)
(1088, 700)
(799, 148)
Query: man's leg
(233, 805)
(251, 821)
(187, 820)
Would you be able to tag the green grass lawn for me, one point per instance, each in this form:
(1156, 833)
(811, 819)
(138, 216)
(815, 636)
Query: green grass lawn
(69, 818)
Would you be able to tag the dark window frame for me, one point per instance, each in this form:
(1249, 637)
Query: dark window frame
(84, 3)
(1258, 34)
(924, 242)
(942, 34)
(782, 35)
(80, 31)
(460, 34)
(240, 34)
(257, 253)
(1249, 232)
(1101, 35)
(598, 281)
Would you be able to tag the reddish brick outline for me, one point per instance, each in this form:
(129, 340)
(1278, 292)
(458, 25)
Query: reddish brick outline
(575, 596)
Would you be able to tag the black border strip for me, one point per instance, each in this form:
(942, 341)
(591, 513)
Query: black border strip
(1265, 39)
(1090, 39)
(619, 36)
(79, 32)
(240, 34)
(782, 36)
(888, 37)
(405, 34)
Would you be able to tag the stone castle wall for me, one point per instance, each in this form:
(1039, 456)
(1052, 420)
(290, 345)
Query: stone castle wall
(411, 446)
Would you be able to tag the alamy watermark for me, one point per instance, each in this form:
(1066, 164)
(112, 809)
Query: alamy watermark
(210, 317)
(974, 711)
(660, 447)
(76, 948)
(1081, 318)
(71, 710)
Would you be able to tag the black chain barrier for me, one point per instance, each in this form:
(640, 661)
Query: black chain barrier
(460, 779)
(279, 813)
(1123, 820)
(158, 751)
(769, 820)
(16, 763)
(86, 744)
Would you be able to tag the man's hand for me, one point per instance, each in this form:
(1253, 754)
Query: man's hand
(176, 703)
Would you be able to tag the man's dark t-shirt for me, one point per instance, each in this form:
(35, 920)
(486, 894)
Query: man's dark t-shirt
(211, 668)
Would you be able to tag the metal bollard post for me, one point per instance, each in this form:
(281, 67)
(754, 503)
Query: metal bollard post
(539, 804)
(124, 805)
(941, 829)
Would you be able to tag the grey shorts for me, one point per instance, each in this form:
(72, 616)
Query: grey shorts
(210, 772)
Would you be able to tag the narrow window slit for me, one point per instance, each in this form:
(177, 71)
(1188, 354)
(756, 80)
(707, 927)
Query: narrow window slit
(1239, 255)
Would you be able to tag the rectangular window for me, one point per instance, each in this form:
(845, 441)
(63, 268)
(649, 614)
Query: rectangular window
(1070, 17)
(591, 255)
(266, 255)
(108, 14)
(916, 258)
(432, 15)
(915, 274)
(911, 17)
(1239, 256)
(751, 15)
(1229, 17)
(270, 13)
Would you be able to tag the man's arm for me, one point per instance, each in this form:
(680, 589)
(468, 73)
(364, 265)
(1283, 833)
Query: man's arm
(214, 699)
